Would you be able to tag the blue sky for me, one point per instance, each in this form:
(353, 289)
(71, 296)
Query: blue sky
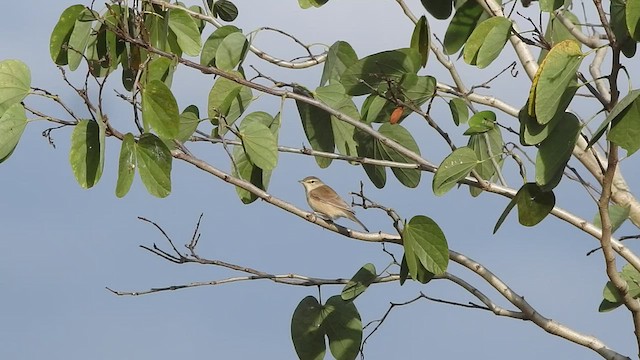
(61, 245)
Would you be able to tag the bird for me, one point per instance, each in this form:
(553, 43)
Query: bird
(326, 202)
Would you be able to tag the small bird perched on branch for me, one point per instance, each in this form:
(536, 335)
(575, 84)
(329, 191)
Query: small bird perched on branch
(326, 202)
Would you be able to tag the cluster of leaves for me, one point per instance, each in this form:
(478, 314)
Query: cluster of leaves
(392, 90)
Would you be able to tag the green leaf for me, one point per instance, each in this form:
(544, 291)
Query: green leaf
(307, 333)
(555, 151)
(189, 121)
(440, 9)
(424, 238)
(617, 110)
(617, 215)
(407, 177)
(625, 130)
(367, 147)
(245, 170)
(212, 43)
(79, 39)
(481, 122)
(317, 127)
(162, 69)
(339, 57)
(226, 10)
(486, 42)
(606, 306)
(87, 152)
(453, 168)
(550, 5)
(371, 71)
(61, 33)
(618, 21)
(556, 32)
(201, 23)
(633, 18)
(126, 166)
(12, 124)
(417, 89)
(612, 298)
(555, 73)
(154, 165)
(243, 167)
(259, 144)
(423, 276)
(359, 282)
(227, 101)
(305, 4)
(481, 144)
(420, 39)
(15, 83)
(505, 213)
(534, 204)
(459, 111)
(186, 31)
(334, 96)
(231, 51)
(343, 327)
(160, 109)
(462, 24)
(377, 109)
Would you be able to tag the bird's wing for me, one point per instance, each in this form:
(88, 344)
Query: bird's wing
(331, 197)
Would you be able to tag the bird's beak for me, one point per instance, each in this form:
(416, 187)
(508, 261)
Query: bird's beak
(300, 181)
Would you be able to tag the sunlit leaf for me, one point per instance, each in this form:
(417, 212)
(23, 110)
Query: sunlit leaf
(160, 109)
(424, 238)
(210, 47)
(86, 155)
(186, 31)
(481, 122)
(554, 75)
(15, 83)
(61, 33)
(259, 144)
(486, 42)
(12, 124)
(633, 18)
(79, 39)
(189, 120)
(231, 51)
(227, 101)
